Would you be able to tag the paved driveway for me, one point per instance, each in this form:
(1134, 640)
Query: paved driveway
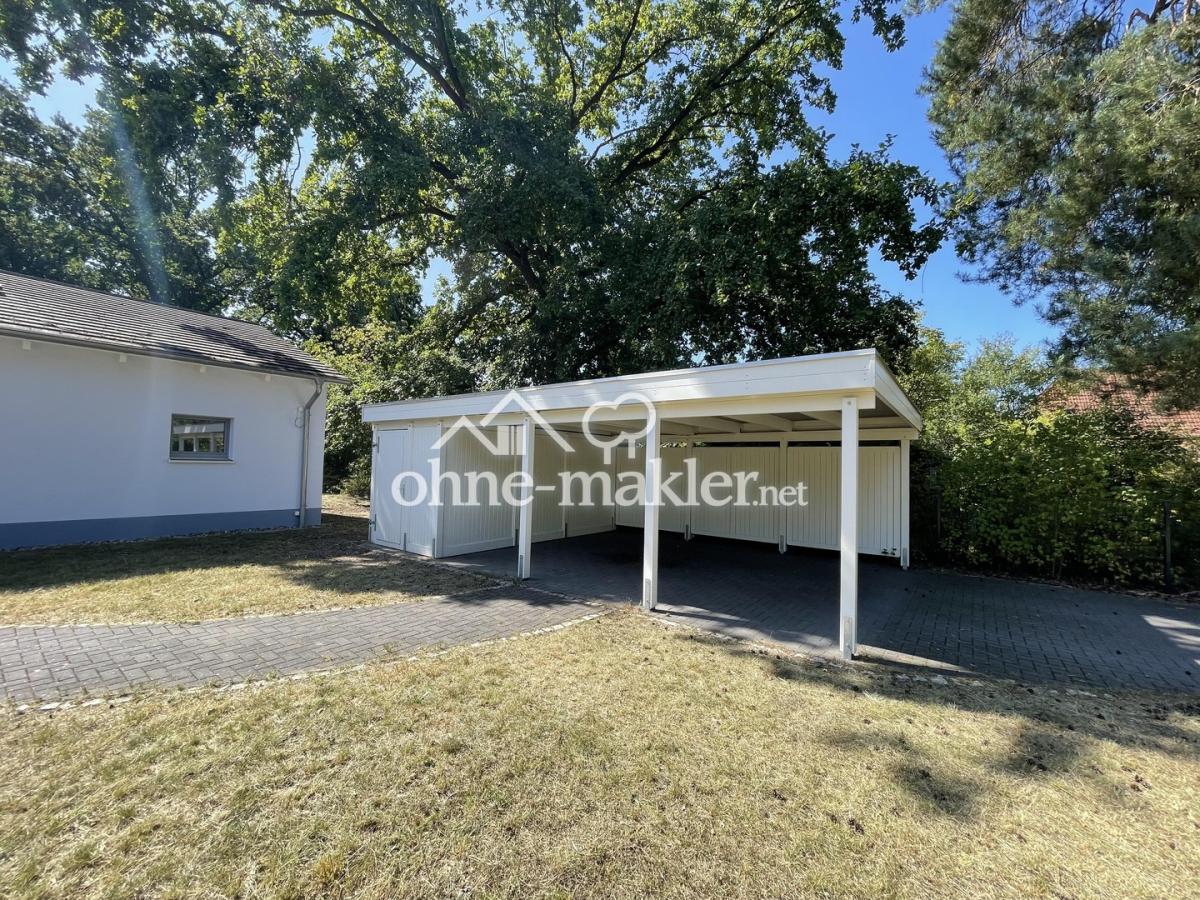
(1013, 629)
(52, 662)
(936, 620)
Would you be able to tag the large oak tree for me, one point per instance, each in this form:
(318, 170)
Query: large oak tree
(598, 174)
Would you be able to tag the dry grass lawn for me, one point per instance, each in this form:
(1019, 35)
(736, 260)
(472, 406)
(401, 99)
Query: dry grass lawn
(616, 758)
(217, 576)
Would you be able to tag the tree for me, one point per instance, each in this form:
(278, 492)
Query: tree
(74, 205)
(963, 398)
(597, 173)
(1074, 132)
(1002, 483)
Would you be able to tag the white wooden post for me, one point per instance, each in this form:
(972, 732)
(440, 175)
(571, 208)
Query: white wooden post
(525, 513)
(650, 531)
(905, 478)
(848, 601)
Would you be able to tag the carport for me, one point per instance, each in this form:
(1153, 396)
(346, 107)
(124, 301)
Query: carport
(836, 428)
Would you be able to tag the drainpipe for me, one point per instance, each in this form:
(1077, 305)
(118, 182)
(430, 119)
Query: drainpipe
(306, 427)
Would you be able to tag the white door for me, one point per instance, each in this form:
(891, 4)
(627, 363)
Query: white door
(392, 449)
(396, 524)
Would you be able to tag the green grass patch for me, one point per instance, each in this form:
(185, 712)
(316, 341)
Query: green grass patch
(614, 758)
(221, 575)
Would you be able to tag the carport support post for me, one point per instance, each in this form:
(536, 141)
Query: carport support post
(650, 530)
(848, 602)
(525, 512)
(905, 478)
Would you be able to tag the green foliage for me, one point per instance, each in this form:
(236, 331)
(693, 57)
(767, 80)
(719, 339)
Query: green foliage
(383, 362)
(598, 174)
(1074, 133)
(601, 176)
(1000, 484)
(1071, 494)
(76, 205)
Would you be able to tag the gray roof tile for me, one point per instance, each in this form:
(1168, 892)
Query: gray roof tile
(50, 311)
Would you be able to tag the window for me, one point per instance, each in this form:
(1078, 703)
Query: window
(195, 437)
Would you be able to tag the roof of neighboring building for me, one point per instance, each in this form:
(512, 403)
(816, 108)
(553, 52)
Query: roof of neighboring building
(38, 309)
(1144, 406)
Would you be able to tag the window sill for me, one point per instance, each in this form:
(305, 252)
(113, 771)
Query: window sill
(208, 462)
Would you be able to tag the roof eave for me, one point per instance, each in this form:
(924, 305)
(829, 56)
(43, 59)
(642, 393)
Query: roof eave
(195, 358)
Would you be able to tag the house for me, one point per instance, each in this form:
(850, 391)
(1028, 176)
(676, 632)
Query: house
(126, 419)
(1144, 406)
(826, 438)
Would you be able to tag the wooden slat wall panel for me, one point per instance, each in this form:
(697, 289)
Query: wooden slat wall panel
(878, 499)
(765, 521)
(712, 520)
(548, 462)
(631, 516)
(815, 525)
(580, 519)
(673, 516)
(466, 529)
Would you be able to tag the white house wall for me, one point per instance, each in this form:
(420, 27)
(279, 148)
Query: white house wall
(84, 453)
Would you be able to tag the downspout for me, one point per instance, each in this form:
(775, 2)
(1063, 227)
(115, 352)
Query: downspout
(306, 428)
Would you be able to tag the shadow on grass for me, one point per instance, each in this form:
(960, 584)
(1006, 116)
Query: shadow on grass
(1052, 737)
(333, 557)
(937, 792)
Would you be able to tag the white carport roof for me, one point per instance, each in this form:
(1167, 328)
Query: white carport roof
(801, 394)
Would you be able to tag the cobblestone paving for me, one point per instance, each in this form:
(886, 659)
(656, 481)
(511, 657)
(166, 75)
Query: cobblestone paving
(939, 620)
(39, 662)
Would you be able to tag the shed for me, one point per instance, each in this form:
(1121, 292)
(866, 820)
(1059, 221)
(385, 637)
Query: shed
(834, 428)
(128, 419)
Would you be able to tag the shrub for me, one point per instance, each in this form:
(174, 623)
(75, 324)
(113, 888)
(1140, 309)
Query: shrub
(999, 484)
(1068, 495)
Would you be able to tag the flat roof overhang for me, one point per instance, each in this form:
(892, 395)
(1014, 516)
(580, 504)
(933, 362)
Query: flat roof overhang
(800, 395)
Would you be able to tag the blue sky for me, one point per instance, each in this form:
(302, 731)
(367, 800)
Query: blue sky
(877, 97)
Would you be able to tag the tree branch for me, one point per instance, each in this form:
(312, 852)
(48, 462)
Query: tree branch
(653, 152)
(614, 73)
(562, 43)
(370, 21)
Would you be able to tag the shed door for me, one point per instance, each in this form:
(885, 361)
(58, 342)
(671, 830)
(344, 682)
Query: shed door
(394, 524)
(391, 458)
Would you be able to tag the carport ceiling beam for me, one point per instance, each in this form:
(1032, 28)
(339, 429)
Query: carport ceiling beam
(632, 426)
(712, 424)
(771, 423)
(687, 410)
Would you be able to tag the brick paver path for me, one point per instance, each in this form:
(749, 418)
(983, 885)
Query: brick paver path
(939, 620)
(39, 662)
(942, 621)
